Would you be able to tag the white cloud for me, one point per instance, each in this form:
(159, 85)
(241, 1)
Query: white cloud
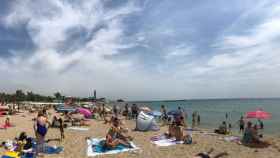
(238, 58)
(179, 51)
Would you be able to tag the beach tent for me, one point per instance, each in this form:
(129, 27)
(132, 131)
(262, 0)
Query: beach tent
(146, 122)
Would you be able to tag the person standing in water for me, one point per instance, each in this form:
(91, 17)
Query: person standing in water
(193, 119)
(198, 119)
(241, 123)
(226, 116)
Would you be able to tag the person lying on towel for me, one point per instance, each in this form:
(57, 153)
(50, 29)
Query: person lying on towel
(116, 135)
(209, 155)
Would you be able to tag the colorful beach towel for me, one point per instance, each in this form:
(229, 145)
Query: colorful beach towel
(95, 148)
(162, 140)
(11, 154)
(78, 128)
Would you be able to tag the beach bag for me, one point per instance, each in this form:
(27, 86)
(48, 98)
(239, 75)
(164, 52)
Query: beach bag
(188, 140)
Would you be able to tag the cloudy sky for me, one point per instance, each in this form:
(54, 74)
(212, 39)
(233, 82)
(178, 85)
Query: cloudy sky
(141, 49)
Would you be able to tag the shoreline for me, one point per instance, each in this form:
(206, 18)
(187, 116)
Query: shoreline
(75, 145)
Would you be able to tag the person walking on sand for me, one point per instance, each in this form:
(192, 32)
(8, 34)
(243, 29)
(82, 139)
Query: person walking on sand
(182, 115)
(164, 115)
(41, 129)
(134, 111)
(61, 129)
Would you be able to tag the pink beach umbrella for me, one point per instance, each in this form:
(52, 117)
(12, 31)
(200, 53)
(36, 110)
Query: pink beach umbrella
(258, 114)
(85, 112)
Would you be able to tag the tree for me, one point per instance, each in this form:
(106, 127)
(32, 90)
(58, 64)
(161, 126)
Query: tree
(58, 96)
(30, 96)
(19, 96)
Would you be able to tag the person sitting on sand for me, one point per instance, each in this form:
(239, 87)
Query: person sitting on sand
(175, 129)
(84, 122)
(28, 148)
(115, 136)
(248, 134)
(7, 123)
(222, 129)
(255, 134)
(20, 141)
(209, 155)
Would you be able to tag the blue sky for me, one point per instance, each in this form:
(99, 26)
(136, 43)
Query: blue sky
(141, 49)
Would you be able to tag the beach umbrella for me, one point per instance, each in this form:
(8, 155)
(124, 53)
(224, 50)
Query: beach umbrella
(145, 109)
(174, 113)
(258, 114)
(154, 113)
(85, 112)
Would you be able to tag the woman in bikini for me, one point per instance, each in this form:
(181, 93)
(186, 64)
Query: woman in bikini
(115, 135)
(41, 129)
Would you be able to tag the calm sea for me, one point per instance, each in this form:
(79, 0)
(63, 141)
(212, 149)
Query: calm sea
(213, 111)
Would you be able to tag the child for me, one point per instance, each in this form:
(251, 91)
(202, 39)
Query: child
(61, 128)
(7, 123)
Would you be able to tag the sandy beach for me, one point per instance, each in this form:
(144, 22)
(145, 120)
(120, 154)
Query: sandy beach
(75, 144)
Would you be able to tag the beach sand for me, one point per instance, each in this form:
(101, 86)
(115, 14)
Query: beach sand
(75, 144)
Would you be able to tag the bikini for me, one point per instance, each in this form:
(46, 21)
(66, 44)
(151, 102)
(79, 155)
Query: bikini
(41, 129)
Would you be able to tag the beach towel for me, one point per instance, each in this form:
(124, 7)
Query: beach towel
(192, 129)
(52, 149)
(230, 139)
(78, 128)
(4, 126)
(162, 140)
(11, 154)
(95, 148)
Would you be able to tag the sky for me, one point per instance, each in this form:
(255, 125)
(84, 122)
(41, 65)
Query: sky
(141, 49)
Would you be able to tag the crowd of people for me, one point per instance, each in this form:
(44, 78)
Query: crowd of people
(117, 133)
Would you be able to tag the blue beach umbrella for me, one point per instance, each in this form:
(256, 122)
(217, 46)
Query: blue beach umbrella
(155, 113)
(174, 113)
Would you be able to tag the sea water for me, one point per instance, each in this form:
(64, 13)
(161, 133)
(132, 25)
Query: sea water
(213, 111)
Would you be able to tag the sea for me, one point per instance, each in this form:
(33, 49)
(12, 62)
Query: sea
(213, 111)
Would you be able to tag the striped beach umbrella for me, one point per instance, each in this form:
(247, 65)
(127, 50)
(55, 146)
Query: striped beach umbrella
(258, 114)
